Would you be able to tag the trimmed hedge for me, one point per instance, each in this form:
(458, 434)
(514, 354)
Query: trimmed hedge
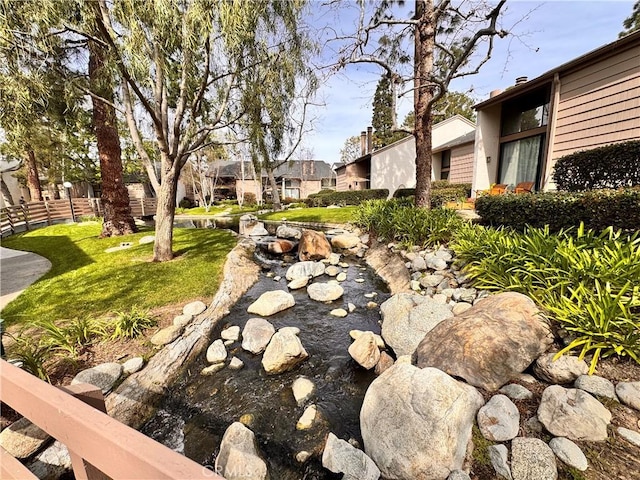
(441, 192)
(612, 166)
(597, 209)
(324, 198)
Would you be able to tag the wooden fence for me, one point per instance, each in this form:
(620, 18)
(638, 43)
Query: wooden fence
(18, 218)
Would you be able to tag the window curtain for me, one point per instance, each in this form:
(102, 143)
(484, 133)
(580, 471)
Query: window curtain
(519, 160)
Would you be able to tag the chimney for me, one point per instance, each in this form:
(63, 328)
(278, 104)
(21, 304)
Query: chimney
(363, 143)
(521, 80)
(369, 139)
(495, 93)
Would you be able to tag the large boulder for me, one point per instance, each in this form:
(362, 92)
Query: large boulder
(256, 335)
(103, 376)
(345, 240)
(499, 419)
(304, 270)
(217, 352)
(284, 231)
(239, 457)
(284, 352)
(365, 350)
(407, 318)
(340, 456)
(270, 303)
(574, 414)
(408, 411)
(490, 343)
(325, 292)
(313, 246)
(629, 394)
(280, 246)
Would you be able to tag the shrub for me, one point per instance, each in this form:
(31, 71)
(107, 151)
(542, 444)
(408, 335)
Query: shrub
(185, 203)
(597, 209)
(249, 199)
(324, 198)
(70, 337)
(32, 355)
(612, 166)
(441, 192)
(133, 323)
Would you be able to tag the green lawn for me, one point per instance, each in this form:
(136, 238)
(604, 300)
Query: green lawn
(215, 209)
(85, 281)
(316, 215)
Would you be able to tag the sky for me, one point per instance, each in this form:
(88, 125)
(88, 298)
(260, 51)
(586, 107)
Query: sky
(544, 36)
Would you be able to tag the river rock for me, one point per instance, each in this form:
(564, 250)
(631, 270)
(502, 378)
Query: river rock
(345, 240)
(216, 353)
(283, 353)
(435, 263)
(339, 456)
(305, 270)
(22, 438)
(239, 458)
(334, 259)
(357, 333)
(194, 308)
(147, 239)
(595, 385)
(630, 436)
(341, 277)
(365, 350)
(629, 394)
(132, 365)
(569, 453)
(298, 283)
(258, 230)
(332, 270)
(418, 264)
(270, 303)
(489, 344)
(384, 363)
(338, 312)
(231, 333)
(302, 388)
(280, 246)
(406, 318)
(532, 459)
(324, 292)
(563, 370)
(182, 320)
(516, 392)
(431, 280)
(460, 308)
(499, 456)
(103, 376)
(458, 475)
(574, 414)
(166, 335)
(308, 418)
(284, 231)
(256, 335)
(211, 369)
(499, 419)
(52, 463)
(236, 363)
(408, 411)
(313, 246)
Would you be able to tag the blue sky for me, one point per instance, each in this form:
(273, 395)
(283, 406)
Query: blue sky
(545, 35)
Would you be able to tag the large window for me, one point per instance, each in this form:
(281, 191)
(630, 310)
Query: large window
(520, 160)
(445, 165)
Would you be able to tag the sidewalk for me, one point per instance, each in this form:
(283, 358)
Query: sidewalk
(18, 270)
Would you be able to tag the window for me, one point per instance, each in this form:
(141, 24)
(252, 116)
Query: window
(520, 160)
(445, 164)
(525, 113)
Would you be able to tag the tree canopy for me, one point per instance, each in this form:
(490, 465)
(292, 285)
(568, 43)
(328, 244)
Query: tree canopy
(632, 23)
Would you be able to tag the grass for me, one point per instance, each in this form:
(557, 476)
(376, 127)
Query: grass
(315, 214)
(85, 281)
(216, 209)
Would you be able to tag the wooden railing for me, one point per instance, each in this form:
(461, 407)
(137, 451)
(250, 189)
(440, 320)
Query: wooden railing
(98, 444)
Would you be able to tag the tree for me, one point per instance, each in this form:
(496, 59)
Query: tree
(384, 113)
(452, 103)
(351, 150)
(446, 39)
(632, 23)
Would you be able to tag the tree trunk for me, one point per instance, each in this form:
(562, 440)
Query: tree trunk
(33, 181)
(162, 249)
(6, 193)
(53, 191)
(423, 95)
(275, 195)
(115, 197)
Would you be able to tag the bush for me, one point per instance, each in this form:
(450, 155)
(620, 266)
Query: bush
(185, 203)
(612, 166)
(597, 209)
(133, 323)
(324, 198)
(441, 192)
(249, 199)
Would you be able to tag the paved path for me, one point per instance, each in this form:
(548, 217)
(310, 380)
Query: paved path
(18, 270)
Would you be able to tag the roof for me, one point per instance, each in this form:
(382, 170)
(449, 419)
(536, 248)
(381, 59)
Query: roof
(624, 43)
(312, 170)
(461, 140)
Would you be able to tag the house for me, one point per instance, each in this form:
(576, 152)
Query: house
(591, 101)
(393, 166)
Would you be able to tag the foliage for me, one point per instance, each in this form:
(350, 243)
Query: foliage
(185, 203)
(351, 150)
(324, 198)
(313, 215)
(441, 192)
(632, 23)
(132, 323)
(32, 355)
(384, 112)
(611, 166)
(585, 280)
(250, 199)
(452, 103)
(597, 209)
(69, 337)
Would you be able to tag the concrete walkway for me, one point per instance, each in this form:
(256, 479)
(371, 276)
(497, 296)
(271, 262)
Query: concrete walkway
(18, 270)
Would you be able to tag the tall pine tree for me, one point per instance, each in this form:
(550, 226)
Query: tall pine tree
(383, 112)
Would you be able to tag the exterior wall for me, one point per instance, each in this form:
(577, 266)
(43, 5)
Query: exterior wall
(136, 190)
(487, 149)
(249, 186)
(347, 176)
(461, 164)
(394, 166)
(341, 179)
(310, 186)
(13, 186)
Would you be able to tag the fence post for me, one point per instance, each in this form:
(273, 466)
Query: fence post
(25, 215)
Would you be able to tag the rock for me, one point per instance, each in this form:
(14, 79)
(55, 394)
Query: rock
(103, 376)
(532, 459)
(166, 335)
(182, 320)
(516, 392)
(431, 280)
(302, 456)
(283, 353)
(283, 231)
(258, 230)
(359, 280)
(461, 307)
(499, 419)
(345, 240)
(334, 259)
(256, 335)
(408, 411)
(574, 414)
(313, 246)
(418, 264)
(440, 298)
(406, 318)
(357, 333)
(414, 285)
(270, 303)
(308, 417)
(384, 363)
(302, 388)
(231, 333)
(211, 369)
(305, 270)
(569, 453)
(132, 365)
(488, 344)
(351, 307)
(341, 277)
(236, 363)
(342, 264)
(52, 463)
(444, 255)
(338, 312)
(324, 292)
(499, 456)
(332, 270)
(370, 295)
(436, 263)
(595, 385)
(194, 308)
(239, 457)
(563, 370)
(629, 394)
(290, 330)
(372, 305)
(630, 436)
(298, 283)
(458, 475)
(216, 353)
(22, 438)
(365, 350)
(534, 425)
(340, 456)
(280, 246)
(147, 239)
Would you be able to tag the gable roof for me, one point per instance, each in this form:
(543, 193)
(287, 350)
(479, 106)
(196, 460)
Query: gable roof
(312, 170)
(461, 140)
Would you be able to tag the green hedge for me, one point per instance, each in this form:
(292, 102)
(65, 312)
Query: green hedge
(324, 198)
(441, 192)
(612, 166)
(597, 209)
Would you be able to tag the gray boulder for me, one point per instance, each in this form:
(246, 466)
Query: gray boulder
(345, 240)
(339, 456)
(182, 320)
(302, 388)
(595, 385)
(516, 392)
(217, 352)
(629, 394)
(284, 352)
(231, 333)
(194, 308)
(256, 335)
(23, 438)
(103, 376)
(532, 459)
(458, 475)
(284, 231)
(324, 292)
(298, 283)
(270, 303)
(629, 435)
(52, 463)
(166, 335)
(239, 457)
(499, 419)
(365, 350)
(304, 270)
(132, 365)
(569, 453)
(563, 370)
(499, 456)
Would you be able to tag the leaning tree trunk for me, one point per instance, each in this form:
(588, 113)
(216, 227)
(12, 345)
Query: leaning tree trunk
(115, 197)
(6, 193)
(165, 212)
(275, 194)
(33, 181)
(423, 94)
